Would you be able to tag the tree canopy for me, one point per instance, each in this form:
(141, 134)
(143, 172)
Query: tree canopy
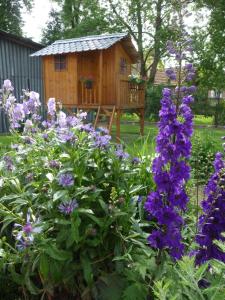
(10, 15)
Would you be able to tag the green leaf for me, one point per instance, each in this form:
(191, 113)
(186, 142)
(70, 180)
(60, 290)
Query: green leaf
(136, 189)
(7, 220)
(57, 254)
(87, 269)
(31, 286)
(85, 211)
(44, 265)
(135, 291)
(75, 236)
(62, 194)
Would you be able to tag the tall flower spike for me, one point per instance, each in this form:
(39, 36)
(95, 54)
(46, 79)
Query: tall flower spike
(212, 221)
(170, 168)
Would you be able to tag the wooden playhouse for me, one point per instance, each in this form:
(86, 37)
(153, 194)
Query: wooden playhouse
(92, 73)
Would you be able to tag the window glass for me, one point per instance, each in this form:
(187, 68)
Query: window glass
(123, 65)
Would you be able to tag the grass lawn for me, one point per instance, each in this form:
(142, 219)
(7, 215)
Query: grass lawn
(145, 145)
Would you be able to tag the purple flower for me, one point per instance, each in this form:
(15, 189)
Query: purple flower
(54, 164)
(65, 136)
(72, 121)
(66, 179)
(87, 128)
(25, 236)
(7, 85)
(51, 106)
(68, 207)
(171, 172)
(8, 162)
(121, 154)
(46, 124)
(135, 160)
(171, 74)
(101, 141)
(212, 221)
(62, 119)
(45, 136)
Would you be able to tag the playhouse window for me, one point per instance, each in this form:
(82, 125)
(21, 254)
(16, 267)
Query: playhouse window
(60, 62)
(123, 65)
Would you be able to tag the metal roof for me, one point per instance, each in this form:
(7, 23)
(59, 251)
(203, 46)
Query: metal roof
(88, 43)
(20, 40)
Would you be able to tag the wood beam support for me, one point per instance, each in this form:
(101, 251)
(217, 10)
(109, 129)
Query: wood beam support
(142, 120)
(100, 94)
(118, 115)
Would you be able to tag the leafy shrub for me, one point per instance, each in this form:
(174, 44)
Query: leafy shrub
(185, 281)
(67, 208)
(203, 154)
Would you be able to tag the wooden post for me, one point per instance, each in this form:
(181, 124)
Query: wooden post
(118, 113)
(100, 77)
(142, 120)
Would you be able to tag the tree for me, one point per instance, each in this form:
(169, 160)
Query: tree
(149, 24)
(210, 53)
(78, 18)
(54, 28)
(10, 15)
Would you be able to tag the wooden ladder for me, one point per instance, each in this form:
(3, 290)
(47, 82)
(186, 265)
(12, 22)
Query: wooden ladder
(104, 111)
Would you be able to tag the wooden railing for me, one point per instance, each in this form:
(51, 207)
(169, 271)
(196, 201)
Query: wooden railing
(131, 94)
(88, 95)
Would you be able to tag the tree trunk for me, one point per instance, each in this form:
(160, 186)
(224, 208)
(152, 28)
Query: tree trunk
(140, 40)
(157, 51)
(216, 116)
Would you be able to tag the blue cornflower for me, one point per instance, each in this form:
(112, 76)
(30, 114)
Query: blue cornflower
(68, 207)
(66, 179)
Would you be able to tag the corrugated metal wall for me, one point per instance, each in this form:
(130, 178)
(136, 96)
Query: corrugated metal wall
(24, 71)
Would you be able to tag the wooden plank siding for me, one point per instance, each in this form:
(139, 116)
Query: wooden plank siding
(63, 84)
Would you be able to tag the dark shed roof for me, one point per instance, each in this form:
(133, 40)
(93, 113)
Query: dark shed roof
(89, 43)
(20, 40)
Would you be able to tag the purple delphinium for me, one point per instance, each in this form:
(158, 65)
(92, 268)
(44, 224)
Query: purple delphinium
(170, 168)
(170, 174)
(212, 221)
(66, 179)
(68, 207)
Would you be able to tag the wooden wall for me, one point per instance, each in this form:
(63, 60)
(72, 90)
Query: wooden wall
(88, 67)
(61, 85)
(108, 84)
(121, 53)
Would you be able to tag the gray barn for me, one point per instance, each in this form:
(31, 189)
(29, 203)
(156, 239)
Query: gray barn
(24, 71)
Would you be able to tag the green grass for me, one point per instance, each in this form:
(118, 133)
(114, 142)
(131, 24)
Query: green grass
(202, 120)
(146, 145)
(5, 140)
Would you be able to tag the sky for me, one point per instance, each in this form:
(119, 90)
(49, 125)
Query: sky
(35, 20)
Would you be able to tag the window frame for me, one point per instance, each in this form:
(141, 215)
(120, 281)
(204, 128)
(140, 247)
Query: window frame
(60, 63)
